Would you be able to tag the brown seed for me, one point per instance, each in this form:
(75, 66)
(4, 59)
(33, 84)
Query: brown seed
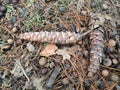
(10, 41)
(112, 43)
(42, 61)
(105, 73)
(52, 65)
(65, 81)
(107, 62)
(115, 77)
(14, 30)
(44, 70)
(19, 42)
(115, 61)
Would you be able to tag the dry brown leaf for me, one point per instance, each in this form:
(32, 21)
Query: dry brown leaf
(64, 53)
(49, 50)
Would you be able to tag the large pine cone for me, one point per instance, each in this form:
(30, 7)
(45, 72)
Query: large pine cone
(51, 37)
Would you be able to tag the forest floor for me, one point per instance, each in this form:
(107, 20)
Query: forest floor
(35, 65)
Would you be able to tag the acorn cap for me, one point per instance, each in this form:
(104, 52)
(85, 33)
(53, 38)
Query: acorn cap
(107, 62)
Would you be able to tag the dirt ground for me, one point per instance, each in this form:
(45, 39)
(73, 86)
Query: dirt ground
(59, 44)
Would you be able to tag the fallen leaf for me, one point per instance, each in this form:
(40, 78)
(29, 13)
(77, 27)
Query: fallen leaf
(64, 53)
(30, 47)
(49, 50)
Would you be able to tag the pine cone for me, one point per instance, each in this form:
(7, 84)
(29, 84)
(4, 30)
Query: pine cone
(97, 45)
(51, 37)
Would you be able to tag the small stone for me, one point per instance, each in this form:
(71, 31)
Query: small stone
(65, 81)
(115, 77)
(112, 43)
(42, 61)
(107, 62)
(115, 61)
(62, 9)
(14, 30)
(15, 1)
(44, 70)
(52, 65)
(105, 73)
(10, 41)
(3, 9)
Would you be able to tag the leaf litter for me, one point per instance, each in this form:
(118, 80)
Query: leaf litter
(46, 16)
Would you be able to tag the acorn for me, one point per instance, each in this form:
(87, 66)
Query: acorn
(15, 1)
(19, 42)
(114, 77)
(114, 61)
(10, 41)
(3, 9)
(107, 62)
(105, 72)
(112, 43)
(65, 81)
(14, 30)
(42, 61)
(52, 65)
(44, 70)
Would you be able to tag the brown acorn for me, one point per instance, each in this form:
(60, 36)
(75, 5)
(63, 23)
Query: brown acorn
(10, 41)
(42, 61)
(112, 43)
(105, 72)
(14, 30)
